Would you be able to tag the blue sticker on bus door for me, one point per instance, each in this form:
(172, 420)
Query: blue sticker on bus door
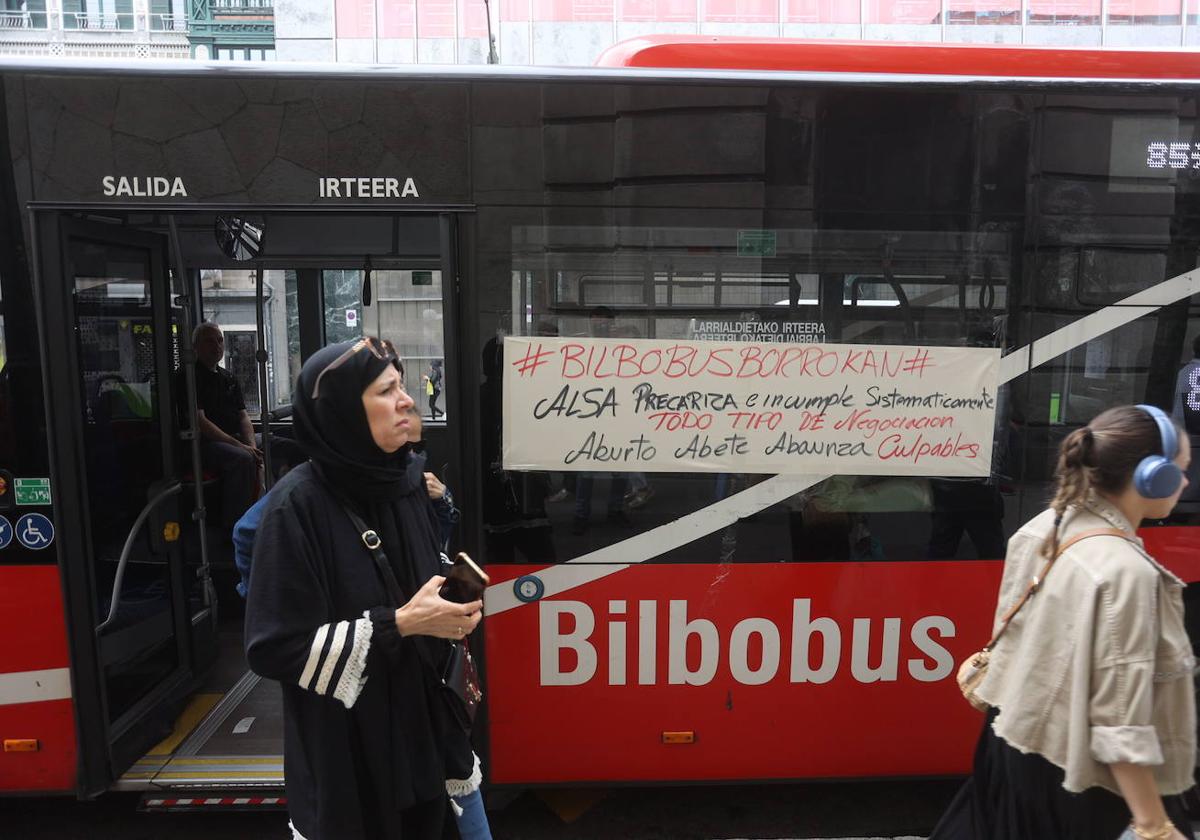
(6, 532)
(35, 531)
(529, 588)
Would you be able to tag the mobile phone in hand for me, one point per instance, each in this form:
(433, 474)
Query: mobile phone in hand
(465, 581)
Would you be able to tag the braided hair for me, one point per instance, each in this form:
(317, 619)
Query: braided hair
(1100, 456)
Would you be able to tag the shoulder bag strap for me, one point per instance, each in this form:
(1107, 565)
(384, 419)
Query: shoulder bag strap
(1037, 581)
(374, 545)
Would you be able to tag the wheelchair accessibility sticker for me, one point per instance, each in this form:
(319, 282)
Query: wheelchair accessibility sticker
(35, 531)
(6, 532)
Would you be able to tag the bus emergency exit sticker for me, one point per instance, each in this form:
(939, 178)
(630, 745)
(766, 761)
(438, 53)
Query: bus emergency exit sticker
(33, 491)
(651, 405)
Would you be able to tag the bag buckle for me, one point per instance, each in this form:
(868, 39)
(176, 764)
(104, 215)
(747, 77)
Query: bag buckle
(371, 539)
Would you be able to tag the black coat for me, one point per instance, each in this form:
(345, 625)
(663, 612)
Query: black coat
(367, 732)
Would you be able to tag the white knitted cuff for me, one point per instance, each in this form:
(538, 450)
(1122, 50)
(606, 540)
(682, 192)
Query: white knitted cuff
(461, 787)
(353, 678)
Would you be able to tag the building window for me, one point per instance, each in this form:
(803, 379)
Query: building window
(91, 14)
(164, 19)
(23, 14)
(245, 53)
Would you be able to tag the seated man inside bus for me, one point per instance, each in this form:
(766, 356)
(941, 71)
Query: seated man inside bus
(227, 443)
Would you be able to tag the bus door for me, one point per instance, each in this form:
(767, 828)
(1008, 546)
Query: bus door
(131, 602)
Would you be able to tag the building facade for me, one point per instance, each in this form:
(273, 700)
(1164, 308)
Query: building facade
(554, 32)
(575, 32)
(204, 29)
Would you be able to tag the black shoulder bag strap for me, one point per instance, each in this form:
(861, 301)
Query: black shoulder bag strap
(374, 545)
(459, 678)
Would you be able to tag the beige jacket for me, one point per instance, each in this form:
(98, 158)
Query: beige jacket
(1097, 668)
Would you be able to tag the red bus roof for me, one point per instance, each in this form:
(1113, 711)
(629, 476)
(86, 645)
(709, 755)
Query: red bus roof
(712, 52)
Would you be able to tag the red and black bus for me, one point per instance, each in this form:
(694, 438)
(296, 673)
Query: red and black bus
(668, 627)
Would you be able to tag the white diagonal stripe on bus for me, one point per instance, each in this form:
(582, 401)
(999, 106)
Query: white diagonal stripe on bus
(638, 549)
(616, 557)
(1082, 330)
(35, 686)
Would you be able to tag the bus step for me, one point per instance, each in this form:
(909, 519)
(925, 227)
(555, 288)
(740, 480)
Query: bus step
(256, 800)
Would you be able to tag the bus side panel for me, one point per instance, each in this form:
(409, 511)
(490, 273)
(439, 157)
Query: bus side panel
(35, 683)
(1177, 547)
(771, 671)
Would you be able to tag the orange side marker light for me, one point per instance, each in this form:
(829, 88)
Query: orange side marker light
(21, 745)
(679, 737)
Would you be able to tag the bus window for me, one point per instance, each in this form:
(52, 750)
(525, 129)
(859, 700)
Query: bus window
(781, 286)
(406, 308)
(1106, 229)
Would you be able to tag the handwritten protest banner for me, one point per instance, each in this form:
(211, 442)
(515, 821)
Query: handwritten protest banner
(641, 405)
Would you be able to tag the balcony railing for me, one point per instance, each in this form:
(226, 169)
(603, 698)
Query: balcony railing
(90, 21)
(242, 6)
(168, 23)
(22, 20)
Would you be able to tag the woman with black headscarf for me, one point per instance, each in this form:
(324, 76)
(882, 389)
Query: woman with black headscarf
(368, 736)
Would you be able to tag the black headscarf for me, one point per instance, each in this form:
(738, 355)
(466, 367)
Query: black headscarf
(387, 490)
(333, 428)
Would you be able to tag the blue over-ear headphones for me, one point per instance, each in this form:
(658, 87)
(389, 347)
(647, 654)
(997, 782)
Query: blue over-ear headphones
(1157, 476)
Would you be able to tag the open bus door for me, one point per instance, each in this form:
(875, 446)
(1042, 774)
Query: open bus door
(138, 614)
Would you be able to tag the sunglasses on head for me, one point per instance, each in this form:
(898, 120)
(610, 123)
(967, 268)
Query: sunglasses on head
(380, 348)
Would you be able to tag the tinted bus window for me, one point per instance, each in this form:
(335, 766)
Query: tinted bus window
(836, 221)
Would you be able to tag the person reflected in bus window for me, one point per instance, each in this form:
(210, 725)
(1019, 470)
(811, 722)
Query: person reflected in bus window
(830, 521)
(601, 321)
(514, 503)
(640, 490)
(973, 507)
(601, 324)
(1092, 718)
(560, 485)
(433, 387)
(357, 638)
(226, 433)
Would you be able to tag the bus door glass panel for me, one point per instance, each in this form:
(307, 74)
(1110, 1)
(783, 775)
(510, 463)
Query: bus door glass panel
(229, 302)
(123, 460)
(229, 296)
(794, 286)
(406, 309)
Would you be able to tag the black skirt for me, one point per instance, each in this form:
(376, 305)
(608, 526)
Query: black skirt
(1017, 796)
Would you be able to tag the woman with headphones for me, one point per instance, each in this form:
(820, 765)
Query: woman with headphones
(1091, 726)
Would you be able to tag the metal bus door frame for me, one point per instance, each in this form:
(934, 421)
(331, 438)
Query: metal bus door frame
(105, 749)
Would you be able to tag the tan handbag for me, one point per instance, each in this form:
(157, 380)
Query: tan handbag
(974, 667)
